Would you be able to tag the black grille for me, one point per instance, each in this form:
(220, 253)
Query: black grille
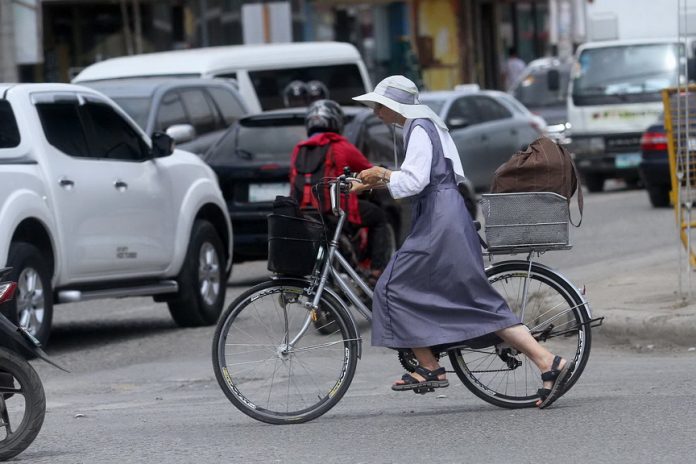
(622, 143)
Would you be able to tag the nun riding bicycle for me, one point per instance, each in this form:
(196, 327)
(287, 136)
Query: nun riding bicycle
(434, 298)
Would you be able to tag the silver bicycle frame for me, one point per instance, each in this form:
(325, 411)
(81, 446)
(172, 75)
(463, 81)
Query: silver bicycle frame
(335, 264)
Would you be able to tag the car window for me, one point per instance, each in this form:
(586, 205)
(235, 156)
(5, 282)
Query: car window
(377, 142)
(199, 110)
(464, 108)
(61, 124)
(533, 90)
(228, 104)
(515, 103)
(491, 110)
(137, 108)
(251, 141)
(435, 105)
(170, 112)
(9, 132)
(342, 81)
(111, 136)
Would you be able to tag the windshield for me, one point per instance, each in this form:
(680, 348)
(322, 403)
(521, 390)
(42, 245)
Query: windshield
(137, 108)
(337, 82)
(253, 141)
(435, 105)
(533, 91)
(631, 73)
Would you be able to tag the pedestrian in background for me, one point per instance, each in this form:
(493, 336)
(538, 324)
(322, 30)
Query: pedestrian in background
(513, 68)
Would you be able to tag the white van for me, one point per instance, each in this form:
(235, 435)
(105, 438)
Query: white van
(262, 72)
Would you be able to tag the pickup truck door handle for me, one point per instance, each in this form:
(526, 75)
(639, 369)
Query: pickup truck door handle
(120, 185)
(66, 183)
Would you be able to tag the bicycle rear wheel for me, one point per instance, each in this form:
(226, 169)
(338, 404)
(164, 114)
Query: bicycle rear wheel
(22, 404)
(267, 376)
(556, 315)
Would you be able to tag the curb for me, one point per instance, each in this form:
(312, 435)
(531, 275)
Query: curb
(640, 300)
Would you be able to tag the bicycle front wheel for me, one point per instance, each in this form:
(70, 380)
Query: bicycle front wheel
(273, 363)
(556, 315)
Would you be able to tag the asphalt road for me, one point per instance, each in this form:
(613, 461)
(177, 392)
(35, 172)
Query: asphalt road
(143, 390)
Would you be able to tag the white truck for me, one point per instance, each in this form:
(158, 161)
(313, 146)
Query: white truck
(90, 207)
(633, 51)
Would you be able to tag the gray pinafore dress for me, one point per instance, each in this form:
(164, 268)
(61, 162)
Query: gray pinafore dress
(434, 290)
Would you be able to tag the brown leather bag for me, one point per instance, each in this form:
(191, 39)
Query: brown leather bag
(544, 166)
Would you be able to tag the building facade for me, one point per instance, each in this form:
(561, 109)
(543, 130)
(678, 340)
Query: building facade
(437, 43)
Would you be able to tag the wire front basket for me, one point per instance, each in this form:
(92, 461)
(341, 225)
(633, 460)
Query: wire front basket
(527, 221)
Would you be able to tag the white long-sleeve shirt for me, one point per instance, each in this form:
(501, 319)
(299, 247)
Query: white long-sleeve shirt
(414, 174)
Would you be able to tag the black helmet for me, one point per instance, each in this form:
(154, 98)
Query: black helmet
(317, 91)
(295, 94)
(324, 116)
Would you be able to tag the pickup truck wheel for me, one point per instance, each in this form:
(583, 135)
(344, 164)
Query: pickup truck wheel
(202, 282)
(32, 307)
(659, 197)
(594, 182)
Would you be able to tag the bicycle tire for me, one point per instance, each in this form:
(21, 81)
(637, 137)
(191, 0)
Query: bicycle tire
(28, 404)
(551, 299)
(253, 326)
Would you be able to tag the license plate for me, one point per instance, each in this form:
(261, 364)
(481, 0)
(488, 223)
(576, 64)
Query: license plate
(268, 192)
(627, 160)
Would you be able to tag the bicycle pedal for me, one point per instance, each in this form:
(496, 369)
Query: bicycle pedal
(423, 390)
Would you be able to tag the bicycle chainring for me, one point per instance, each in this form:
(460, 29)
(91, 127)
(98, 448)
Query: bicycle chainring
(408, 360)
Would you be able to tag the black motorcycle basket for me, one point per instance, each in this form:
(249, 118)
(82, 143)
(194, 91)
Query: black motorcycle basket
(293, 244)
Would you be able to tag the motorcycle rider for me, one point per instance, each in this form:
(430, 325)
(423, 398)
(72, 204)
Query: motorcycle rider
(324, 122)
(295, 94)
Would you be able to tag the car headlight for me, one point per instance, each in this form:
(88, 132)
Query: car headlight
(558, 128)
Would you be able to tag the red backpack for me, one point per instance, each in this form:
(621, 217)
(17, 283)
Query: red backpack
(311, 165)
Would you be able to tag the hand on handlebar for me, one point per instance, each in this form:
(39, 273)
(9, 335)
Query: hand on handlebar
(375, 175)
(357, 186)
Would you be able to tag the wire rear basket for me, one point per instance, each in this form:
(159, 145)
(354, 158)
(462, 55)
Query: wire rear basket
(293, 244)
(527, 221)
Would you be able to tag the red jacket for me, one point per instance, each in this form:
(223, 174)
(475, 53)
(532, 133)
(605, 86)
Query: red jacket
(342, 154)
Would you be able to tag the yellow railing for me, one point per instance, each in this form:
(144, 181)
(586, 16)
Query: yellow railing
(680, 126)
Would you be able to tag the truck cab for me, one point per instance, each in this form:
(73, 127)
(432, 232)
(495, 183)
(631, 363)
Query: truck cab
(614, 95)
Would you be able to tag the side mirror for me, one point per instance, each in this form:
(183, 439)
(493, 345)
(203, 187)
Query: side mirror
(162, 145)
(457, 123)
(181, 133)
(553, 80)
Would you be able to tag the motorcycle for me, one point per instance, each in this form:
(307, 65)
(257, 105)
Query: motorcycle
(22, 398)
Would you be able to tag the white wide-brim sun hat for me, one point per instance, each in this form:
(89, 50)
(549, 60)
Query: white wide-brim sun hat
(400, 94)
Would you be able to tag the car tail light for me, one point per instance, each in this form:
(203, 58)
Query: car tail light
(269, 166)
(653, 141)
(7, 290)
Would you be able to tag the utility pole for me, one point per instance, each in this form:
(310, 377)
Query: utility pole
(8, 61)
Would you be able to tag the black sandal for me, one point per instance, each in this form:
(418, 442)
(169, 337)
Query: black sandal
(430, 383)
(560, 379)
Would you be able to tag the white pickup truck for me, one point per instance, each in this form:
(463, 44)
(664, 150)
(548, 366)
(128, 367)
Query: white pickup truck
(90, 207)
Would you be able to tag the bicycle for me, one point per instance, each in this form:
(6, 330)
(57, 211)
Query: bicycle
(275, 364)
